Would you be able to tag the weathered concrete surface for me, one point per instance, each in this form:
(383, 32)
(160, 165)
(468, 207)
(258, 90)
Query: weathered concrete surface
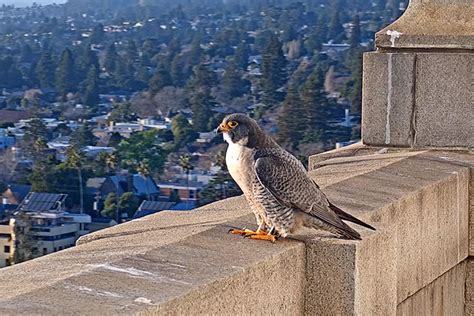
(186, 263)
(418, 100)
(431, 24)
(444, 296)
(388, 91)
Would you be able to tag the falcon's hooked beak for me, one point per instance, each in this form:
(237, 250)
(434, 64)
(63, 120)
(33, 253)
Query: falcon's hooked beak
(222, 128)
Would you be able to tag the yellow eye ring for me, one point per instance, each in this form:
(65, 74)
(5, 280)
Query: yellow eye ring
(232, 124)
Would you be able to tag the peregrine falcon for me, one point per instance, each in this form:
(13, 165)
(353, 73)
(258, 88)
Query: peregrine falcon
(276, 185)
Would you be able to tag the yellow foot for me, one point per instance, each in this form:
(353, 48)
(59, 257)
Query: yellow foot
(268, 237)
(260, 234)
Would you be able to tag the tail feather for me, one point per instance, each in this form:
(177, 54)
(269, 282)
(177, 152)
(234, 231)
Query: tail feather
(348, 217)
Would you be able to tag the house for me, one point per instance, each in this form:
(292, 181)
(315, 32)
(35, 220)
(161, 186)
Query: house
(152, 207)
(51, 227)
(119, 184)
(100, 187)
(188, 191)
(6, 140)
(137, 184)
(6, 243)
(14, 194)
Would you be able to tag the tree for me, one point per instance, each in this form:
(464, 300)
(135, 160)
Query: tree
(315, 105)
(142, 146)
(160, 79)
(183, 133)
(336, 30)
(127, 203)
(274, 73)
(24, 241)
(185, 163)
(111, 59)
(115, 139)
(232, 82)
(75, 159)
(354, 39)
(291, 121)
(83, 136)
(143, 170)
(45, 70)
(201, 103)
(242, 53)
(121, 112)
(65, 74)
(98, 33)
(91, 94)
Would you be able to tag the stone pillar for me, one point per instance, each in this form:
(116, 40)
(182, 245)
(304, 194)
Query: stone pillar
(418, 86)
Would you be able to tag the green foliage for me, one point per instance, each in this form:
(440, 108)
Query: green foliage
(45, 70)
(232, 82)
(65, 74)
(122, 112)
(182, 131)
(274, 74)
(24, 241)
(83, 136)
(142, 146)
(222, 186)
(91, 94)
(291, 121)
(127, 203)
(160, 79)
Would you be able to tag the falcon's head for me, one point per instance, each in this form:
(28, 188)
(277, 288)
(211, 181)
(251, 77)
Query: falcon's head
(240, 129)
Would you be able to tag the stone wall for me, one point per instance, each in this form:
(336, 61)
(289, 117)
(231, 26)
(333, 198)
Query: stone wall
(417, 86)
(186, 263)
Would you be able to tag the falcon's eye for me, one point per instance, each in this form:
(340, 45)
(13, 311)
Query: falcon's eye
(232, 124)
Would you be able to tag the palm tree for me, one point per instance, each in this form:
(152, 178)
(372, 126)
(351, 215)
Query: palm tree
(185, 163)
(143, 169)
(75, 159)
(112, 164)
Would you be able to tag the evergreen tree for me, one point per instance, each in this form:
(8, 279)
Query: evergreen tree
(83, 136)
(45, 70)
(201, 103)
(178, 74)
(65, 74)
(131, 52)
(315, 105)
(291, 121)
(336, 30)
(242, 53)
(115, 139)
(274, 73)
(160, 79)
(111, 59)
(98, 33)
(232, 82)
(183, 133)
(91, 94)
(355, 39)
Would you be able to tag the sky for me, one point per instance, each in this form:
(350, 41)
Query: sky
(24, 3)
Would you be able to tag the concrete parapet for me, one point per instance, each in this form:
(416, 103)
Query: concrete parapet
(417, 86)
(178, 263)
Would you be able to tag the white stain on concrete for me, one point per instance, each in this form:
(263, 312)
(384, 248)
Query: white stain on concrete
(393, 36)
(131, 271)
(143, 300)
(389, 98)
(138, 273)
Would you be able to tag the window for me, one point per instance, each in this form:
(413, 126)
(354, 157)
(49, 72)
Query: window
(7, 262)
(55, 249)
(45, 251)
(6, 249)
(192, 194)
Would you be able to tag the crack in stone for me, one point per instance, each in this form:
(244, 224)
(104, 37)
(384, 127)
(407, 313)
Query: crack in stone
(413, 105)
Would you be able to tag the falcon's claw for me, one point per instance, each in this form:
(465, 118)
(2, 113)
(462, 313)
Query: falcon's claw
(268, 237)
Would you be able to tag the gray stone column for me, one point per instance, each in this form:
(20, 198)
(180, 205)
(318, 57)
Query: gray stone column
(418, 86)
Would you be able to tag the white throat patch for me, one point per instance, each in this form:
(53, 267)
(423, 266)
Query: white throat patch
(241, 142)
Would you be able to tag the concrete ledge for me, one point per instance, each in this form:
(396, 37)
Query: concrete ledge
(418, 100)
(186, 263)
(431, 24)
